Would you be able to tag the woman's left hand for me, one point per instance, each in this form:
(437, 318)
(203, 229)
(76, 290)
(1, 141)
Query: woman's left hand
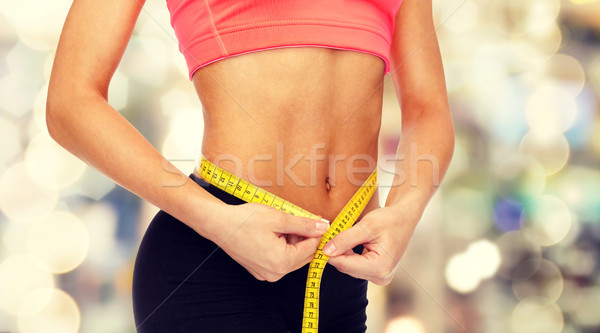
(384, 233)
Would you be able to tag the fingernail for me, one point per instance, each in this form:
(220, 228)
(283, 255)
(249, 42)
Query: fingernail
(322, 226)
(329, 248)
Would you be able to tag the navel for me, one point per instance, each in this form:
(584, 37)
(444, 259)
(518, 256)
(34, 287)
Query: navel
(327, 185)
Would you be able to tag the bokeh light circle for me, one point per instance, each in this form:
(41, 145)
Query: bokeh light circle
(11, 140)
(585, 312)
(60, 240)
(546, 220)
(546, 283)
(486, 256)
(578, 187)
(19, 77)
(527, 52)
(462, 20)
(534, 316)
(59, 315)
(520, 177)
(533, 47)
(507, 215)
(101, 221)
(516, 249)
(39, 28)
(461, 275)
(22, 197)
(465, 270)
(570, 297)
(551, 151)
(51, 165)
(533, 15)
(526, 269)
(404, 325)
(184, 130)
(472, 208)
(14, 237)
(19, 276)
(576, 261)
(550, 110)
(562, 70)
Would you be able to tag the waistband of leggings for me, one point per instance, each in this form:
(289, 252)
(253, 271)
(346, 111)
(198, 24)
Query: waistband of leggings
(217, 192)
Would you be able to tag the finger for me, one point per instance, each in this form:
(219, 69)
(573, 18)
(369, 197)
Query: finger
(302, 226)
(365, 266)
(370, 266)
(302, 252)
(347, 240)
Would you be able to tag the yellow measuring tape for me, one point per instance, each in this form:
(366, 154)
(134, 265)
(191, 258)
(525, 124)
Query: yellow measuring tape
(249, 192)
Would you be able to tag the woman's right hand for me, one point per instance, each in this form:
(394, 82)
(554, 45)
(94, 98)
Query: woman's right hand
(259, 237)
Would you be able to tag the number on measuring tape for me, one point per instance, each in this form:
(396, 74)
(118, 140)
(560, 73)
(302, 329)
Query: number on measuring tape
(249, 192)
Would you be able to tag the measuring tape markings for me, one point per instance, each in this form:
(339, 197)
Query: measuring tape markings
(249, 192)
(345, 219)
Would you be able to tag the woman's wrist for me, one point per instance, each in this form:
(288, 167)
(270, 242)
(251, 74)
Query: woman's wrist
(210, 220)
(191, 204)
(409, 202)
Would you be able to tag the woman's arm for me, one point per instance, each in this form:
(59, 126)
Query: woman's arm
(80, 119)
(427, 142)
(423, 155)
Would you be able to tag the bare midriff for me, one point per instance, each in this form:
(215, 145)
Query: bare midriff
(302, 123)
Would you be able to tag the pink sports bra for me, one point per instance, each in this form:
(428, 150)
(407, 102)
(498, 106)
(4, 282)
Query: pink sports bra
(211, 30)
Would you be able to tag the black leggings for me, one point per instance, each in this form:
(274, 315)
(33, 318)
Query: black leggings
(183, 282)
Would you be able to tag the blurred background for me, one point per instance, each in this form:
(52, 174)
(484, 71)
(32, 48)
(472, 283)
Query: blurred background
(510, 243)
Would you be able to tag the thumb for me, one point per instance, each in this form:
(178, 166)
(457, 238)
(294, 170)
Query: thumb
(302, 252)
(302, 226)
(347, 240)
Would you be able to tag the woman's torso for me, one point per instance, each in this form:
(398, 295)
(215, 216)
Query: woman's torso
(302, 122)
